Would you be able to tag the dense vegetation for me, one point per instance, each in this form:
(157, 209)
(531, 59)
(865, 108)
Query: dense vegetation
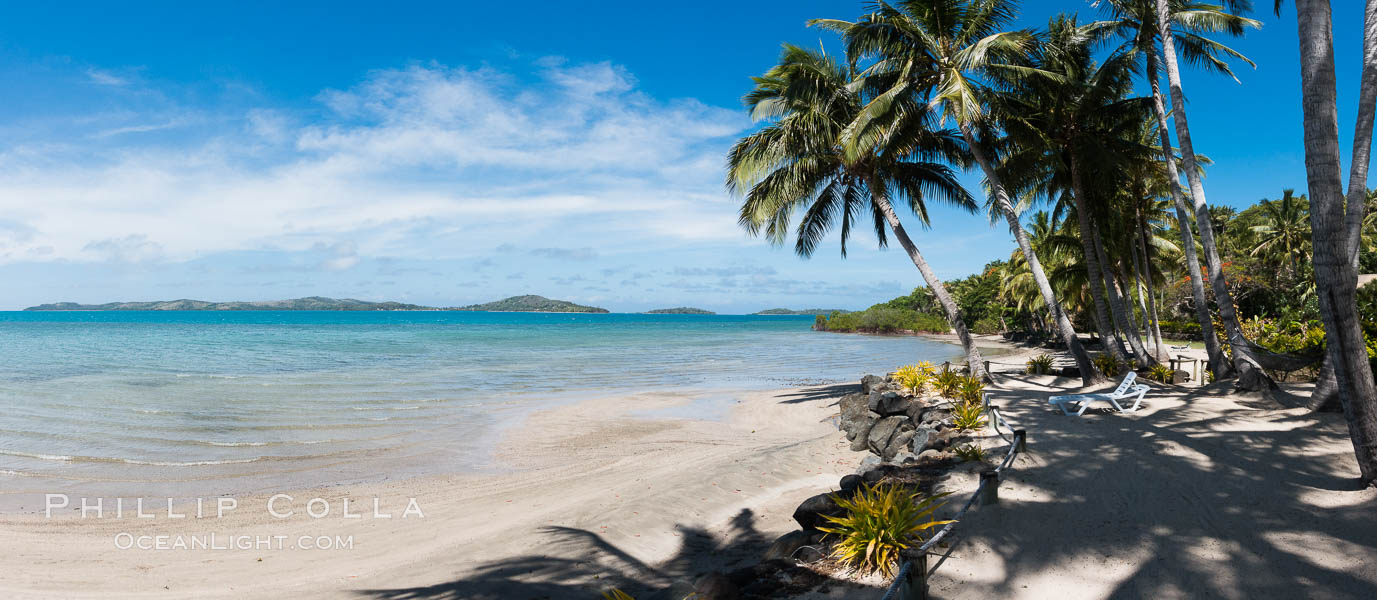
(680, 310)
(806, 311)
(1115, 233)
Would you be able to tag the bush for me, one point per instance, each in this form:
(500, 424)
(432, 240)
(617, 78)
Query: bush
(1040, 364)
(948, 383)
(883, 319)
(914, 377)
(880, 522)
(971, 390)
(987, 325)
(968, 416)
(969, 452)
(1107, 365)
(1161, 373)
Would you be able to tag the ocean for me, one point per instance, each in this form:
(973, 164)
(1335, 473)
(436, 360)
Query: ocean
(190, 404)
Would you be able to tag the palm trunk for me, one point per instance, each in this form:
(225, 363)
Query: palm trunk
(1326, 394)
(1117, 307)
(1219, 364)
(1336, 280)
(1068, 333)
(1094, 273)
(1150, 292)
(977, 364)
(1250, 375)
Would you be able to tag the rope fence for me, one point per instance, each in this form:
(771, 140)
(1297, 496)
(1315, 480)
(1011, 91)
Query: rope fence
(912, 581)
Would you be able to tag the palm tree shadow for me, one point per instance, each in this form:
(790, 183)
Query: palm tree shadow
(817, 393)
(577, 563)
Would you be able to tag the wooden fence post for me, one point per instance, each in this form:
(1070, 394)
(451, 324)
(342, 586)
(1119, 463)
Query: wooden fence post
(1021, 440)
(989, 491)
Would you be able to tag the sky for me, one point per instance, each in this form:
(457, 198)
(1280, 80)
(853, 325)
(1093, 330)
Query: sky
(454, 153)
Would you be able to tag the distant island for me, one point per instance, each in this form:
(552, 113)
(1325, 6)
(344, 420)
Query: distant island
(680, 310)
(530, 303)
(513, 304)
(806, 311)
(309, 303)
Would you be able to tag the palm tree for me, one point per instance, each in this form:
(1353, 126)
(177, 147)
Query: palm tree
(805, 161)
(932, 50)
(1069, 124)
(1334, 225)
(1144, 24)
(1285, 231)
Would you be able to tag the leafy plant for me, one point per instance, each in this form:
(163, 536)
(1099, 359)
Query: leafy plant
(914, 377)
(616, 594)
(1162, 373)
(968, 415)
(948, 383)
(880, 521)
(971, 390)
(1040, 364)
(1107, 365)
(969, 452)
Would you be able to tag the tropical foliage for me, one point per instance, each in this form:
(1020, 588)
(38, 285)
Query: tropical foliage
(880, 522)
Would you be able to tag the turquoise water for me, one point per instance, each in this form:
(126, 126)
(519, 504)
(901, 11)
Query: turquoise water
(200, 403)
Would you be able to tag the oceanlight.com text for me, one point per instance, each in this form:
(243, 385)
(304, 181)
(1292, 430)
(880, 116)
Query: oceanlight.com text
(214, 541)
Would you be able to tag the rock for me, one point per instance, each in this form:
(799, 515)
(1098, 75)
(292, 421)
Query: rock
(869, 382)
(809, 554)
(1179, 377)
(929, 454)
(881, 433)
(898, 443)
(887, 403)
(904, 458)
(921, 438)
(935, 415)
(714, 586)
(915, 411)
(873, 476)
(948, 438)
(868, 463)
(849, 484)
(854, 413)
(788, 544)
(809, 514)
(1071, 371)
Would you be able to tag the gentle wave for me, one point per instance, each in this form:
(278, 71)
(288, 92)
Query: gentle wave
(161, 463)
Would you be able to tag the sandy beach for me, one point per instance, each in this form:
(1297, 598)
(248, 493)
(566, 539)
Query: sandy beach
(1201, 493)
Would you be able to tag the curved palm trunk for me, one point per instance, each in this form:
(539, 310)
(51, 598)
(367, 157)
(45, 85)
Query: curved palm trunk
(1250, 374)
(1068, 333)
(1094, 279)
(1219, 364)
(973, 359)
(1117, 308)
(1336, 279)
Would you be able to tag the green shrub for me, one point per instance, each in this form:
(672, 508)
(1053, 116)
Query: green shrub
(948, 383)
(1040, 364)
(880, 521)
(914, 377)
(968, 416)
(1162, 373)
(987, 325)
(1107, 365)
(972, 389)
(969, 452)
(884, 319)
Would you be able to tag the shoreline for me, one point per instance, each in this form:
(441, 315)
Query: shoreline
(592, 474)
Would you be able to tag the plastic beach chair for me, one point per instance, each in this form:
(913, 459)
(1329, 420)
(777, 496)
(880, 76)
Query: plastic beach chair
(1126, 389)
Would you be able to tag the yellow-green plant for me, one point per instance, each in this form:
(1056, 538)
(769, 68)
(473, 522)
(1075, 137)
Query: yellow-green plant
(1040, 364)
(616, 594)
(880, 521)
(914, 377)
(967, 415)
(969, 452)
(947, 383)
(972, 389)
(1107, 365)
(1162, 373)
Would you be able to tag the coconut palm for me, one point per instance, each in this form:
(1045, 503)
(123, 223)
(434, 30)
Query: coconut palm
(1142, 23)
(1284, 236)
(809, 159)
(1335, 220)
(1070, 126)
(934, 50)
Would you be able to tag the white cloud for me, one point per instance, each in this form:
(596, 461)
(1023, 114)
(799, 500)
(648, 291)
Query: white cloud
(427, 160)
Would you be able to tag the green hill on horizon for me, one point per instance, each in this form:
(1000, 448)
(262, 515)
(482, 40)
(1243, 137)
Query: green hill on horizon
(680, 310)
(307, 303)
(531, 303)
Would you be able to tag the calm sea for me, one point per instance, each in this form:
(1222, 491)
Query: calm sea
(202, 403)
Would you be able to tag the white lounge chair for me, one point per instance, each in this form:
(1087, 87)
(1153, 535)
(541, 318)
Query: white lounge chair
(1126, 389)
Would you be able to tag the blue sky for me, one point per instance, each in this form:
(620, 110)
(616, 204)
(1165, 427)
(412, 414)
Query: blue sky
(448, 154)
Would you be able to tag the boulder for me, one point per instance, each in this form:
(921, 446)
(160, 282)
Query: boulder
(881, 433)
(869, 382)
(715, 586)
(915, 410)
(921, 439)
(785, 547)
(1179, 377)
(929, 454)
(935, 415)
(887, 402)
(873, 476)
(855, 415)
(868, 463)
(898, 443)
(809, 514)
(849, 484)
(904, 458)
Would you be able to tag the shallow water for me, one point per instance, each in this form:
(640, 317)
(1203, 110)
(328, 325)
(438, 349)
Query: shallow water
(204, 403)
